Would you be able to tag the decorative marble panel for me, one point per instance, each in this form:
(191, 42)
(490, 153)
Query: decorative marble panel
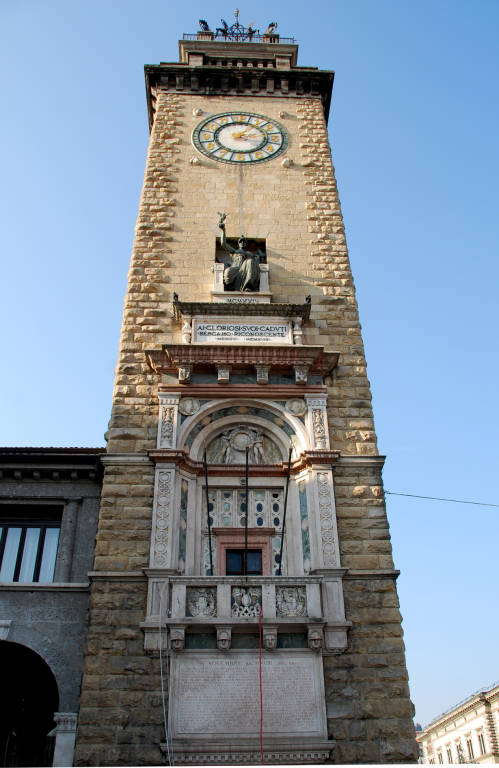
(162, 518)
(246, 602)
(291, 601)
(326, 517)
(305, 532)
(201, 601)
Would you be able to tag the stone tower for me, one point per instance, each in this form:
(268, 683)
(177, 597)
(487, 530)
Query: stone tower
(242, 532)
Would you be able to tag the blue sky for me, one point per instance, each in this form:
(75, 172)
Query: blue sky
(414, 128)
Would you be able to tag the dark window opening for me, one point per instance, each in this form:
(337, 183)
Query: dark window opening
(29, 537)
(236, 559)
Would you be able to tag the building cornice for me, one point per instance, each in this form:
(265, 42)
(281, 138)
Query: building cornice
(281, 358)
(477, 699)
(253, 391)
(301, 82)
(246, 309)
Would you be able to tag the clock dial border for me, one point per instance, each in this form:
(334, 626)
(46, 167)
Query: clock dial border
(199, 143)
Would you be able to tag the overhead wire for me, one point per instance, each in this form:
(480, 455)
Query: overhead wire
(440, 498)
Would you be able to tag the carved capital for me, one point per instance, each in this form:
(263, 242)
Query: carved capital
(4, 628)
(65, 722)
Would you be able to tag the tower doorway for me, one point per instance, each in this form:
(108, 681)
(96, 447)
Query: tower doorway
(28, 700)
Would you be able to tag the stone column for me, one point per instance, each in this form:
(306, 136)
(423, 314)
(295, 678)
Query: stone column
(65, 735)
(62, 572)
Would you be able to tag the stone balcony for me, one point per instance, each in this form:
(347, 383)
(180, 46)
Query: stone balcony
(301, 611)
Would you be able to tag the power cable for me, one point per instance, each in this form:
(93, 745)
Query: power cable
(439, 498)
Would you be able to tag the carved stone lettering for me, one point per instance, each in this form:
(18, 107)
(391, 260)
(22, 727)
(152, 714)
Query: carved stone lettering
(216, 695)
(250, 333)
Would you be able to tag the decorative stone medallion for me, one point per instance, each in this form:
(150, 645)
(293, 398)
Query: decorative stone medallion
(296, 406)
(188, 406)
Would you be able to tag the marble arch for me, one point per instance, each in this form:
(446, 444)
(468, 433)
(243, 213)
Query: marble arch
(194, 434)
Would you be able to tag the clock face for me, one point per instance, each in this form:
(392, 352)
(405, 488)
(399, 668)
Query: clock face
(240, 137)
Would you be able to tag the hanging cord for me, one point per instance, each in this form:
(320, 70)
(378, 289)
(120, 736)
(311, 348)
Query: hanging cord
(261, 689)
(163, 699)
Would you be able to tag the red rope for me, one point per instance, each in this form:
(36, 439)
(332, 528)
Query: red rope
(261, 689)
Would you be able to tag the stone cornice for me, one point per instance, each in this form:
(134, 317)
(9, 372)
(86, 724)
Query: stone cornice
(267, 83)
(383, 573)
(223, 391)
(362, 461)
(35, 586)
(207, 356)
(116, 576)
(192, 308)
(181, 459)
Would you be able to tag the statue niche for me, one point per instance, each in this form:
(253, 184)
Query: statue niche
(242, 273)
(229, 447)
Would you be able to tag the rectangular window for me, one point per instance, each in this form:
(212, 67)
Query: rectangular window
(29, 537)
(481, 743)
(469, 747)
(440, 757)
(235, 562)
(449, 755)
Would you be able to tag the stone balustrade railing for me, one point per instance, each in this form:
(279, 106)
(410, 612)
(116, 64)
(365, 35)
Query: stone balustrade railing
(183, 606)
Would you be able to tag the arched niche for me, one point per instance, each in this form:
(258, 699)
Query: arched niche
(226, 421)
(29, 697)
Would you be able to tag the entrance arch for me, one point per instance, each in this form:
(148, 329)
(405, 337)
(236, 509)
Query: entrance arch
(28, 699)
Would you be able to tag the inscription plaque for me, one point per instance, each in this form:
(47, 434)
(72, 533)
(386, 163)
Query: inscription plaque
(229, 331)
(216, 695)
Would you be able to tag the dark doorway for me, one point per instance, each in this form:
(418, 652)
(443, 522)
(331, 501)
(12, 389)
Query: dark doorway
(28, 700)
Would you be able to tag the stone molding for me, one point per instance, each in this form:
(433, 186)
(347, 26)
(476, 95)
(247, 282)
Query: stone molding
(307, 460)
(240, 309)
(35, 586)
(130, 459)
(252, 391)
(277, 754)
(125, 576)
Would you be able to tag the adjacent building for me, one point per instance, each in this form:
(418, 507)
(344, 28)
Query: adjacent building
(467, 733)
